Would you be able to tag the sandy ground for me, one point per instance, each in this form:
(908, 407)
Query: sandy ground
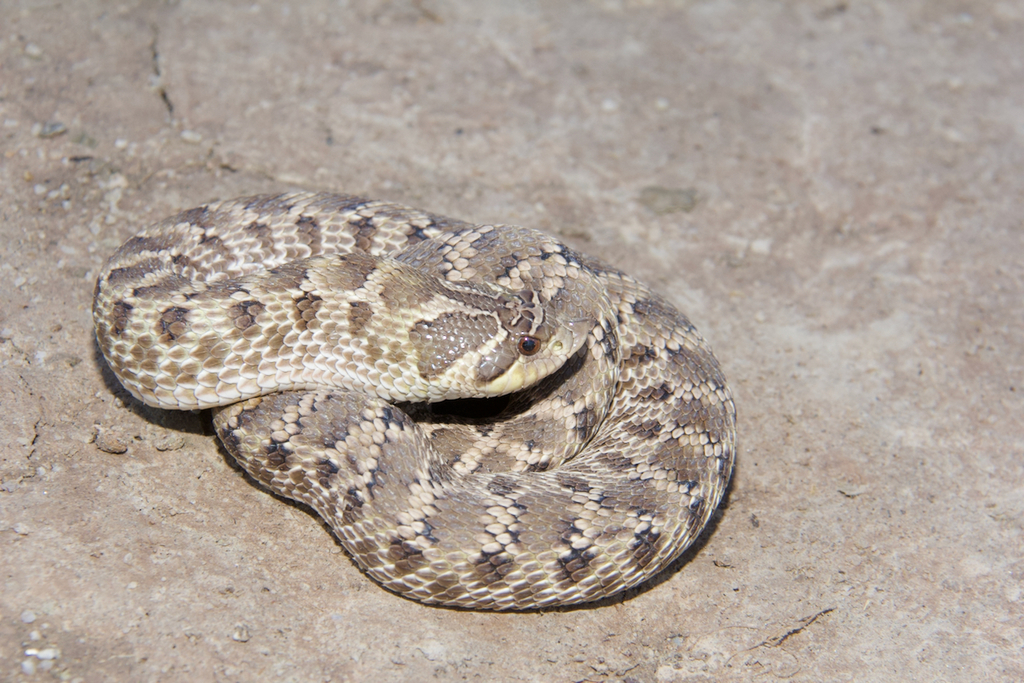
(831, 190)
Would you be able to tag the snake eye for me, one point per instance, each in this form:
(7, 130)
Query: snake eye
(528, 345)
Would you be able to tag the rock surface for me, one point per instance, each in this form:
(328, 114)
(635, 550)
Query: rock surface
(831, 190)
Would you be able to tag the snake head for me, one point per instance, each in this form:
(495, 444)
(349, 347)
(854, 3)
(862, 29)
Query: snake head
(505, 343)
(534, 343)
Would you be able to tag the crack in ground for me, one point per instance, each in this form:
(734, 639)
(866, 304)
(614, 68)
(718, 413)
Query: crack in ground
(154, 51)
(779, 639)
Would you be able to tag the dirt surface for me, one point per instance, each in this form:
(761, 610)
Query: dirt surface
(831, 190)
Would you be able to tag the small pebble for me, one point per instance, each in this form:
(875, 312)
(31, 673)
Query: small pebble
(663, 200)
(169, 442)
(110, 443)
(761, 247)
(52, 129)
(27, 617)
(241, 634)
(28, 667)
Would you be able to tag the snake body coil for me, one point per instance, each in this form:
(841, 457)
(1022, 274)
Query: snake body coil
(304, 318)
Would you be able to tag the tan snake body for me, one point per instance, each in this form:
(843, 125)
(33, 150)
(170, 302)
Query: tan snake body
(304, 318)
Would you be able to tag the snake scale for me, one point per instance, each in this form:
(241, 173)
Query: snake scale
(485, 417)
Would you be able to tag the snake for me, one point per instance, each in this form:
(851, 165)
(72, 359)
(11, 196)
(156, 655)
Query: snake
(484, 417)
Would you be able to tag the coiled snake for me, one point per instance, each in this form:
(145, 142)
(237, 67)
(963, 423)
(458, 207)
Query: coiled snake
(303, 319)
